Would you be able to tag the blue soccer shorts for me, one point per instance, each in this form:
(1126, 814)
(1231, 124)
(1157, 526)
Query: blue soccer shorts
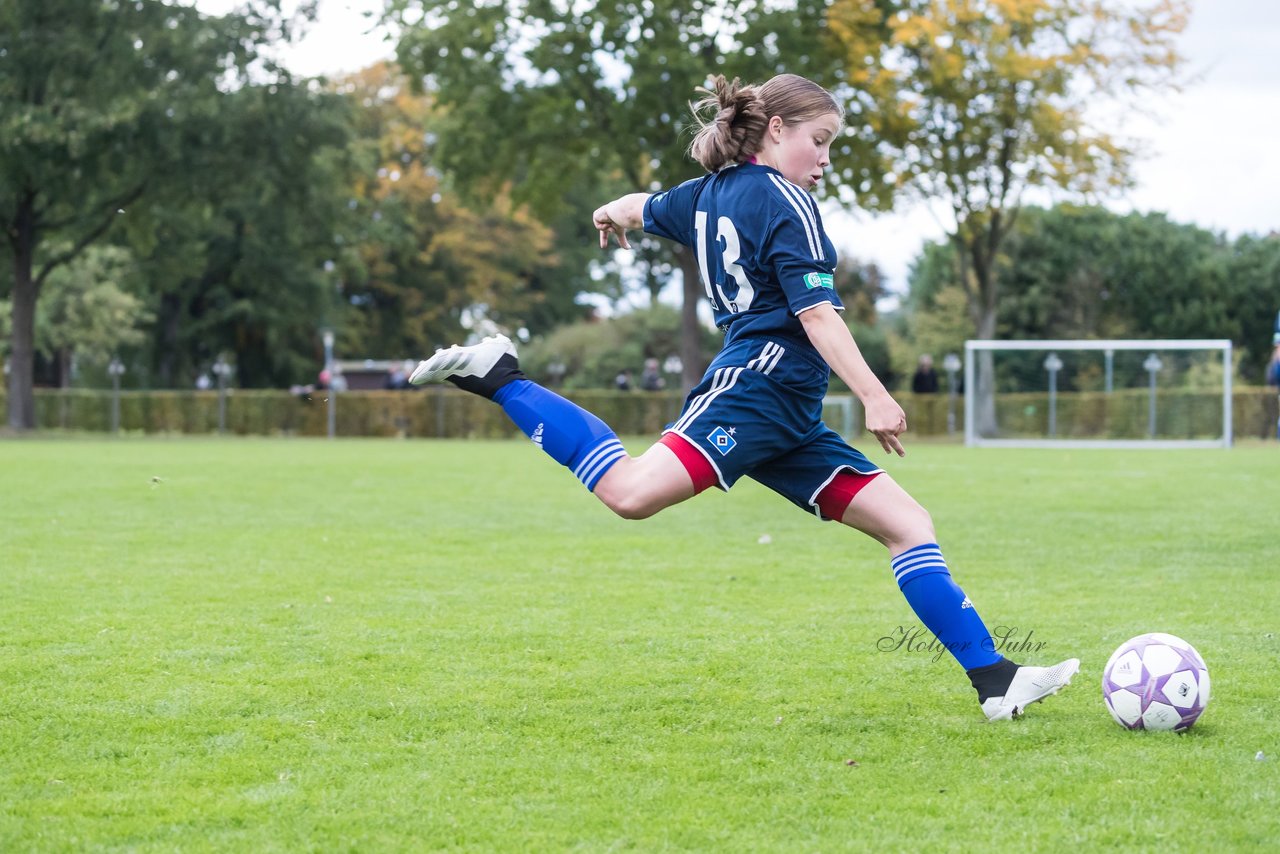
(758, 413)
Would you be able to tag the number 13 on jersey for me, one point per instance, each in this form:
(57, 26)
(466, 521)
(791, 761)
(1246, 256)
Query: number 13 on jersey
(726, 232)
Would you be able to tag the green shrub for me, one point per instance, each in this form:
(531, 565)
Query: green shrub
(445, 412)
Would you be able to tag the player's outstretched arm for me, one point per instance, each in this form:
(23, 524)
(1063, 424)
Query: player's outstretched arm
(618, 216)
(832, 339)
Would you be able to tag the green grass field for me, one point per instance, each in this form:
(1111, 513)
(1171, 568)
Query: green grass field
(291, 645)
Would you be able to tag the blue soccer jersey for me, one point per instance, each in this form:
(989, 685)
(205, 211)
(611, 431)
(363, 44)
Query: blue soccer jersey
(762, 252)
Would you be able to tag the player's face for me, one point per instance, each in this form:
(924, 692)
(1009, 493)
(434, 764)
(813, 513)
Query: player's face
(803, 150)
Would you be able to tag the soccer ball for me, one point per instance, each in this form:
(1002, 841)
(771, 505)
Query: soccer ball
(1155, 681)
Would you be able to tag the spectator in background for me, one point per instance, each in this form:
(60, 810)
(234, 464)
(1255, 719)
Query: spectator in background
(1273, 373)
(396, 379)
(925, 379)
(651, 378)
(622, 382)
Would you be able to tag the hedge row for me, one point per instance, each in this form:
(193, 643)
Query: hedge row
(437, 412)
(1126, 414)
(447, 412)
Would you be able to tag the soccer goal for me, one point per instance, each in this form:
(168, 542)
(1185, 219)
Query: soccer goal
(1098, 394)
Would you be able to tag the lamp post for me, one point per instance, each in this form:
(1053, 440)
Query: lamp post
(222, 370)
(951, 364)
(1053, 364)
(115, 368)
(328, 369)
(1152, 366)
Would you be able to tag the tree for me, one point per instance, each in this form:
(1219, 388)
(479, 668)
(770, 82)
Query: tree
(861, 286)
(234, 259)
(1085, 272)
(591, 353)
(1252, 287)
(975, 102)
(570, 104)
(101, 103)
(421, 264)
(87, 310)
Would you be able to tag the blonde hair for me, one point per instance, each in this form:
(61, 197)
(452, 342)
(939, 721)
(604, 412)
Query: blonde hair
(736, 131)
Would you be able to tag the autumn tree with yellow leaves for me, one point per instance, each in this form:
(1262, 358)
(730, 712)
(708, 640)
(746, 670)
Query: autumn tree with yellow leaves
(422, 269)
(974, 102)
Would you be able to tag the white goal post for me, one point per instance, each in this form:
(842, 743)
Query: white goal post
(1020, 405)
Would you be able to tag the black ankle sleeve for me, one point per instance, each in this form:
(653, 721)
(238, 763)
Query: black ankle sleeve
(992, 680)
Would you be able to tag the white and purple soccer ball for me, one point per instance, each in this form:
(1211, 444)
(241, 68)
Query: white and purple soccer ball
(1155, 681)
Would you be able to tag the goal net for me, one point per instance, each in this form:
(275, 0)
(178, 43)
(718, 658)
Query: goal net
(1098, 394)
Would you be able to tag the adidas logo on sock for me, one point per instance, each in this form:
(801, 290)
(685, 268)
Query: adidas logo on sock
(537, 435)
(966, 603)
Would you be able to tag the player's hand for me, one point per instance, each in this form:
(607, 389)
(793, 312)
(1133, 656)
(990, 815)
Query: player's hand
(886, 421)
(605, 224)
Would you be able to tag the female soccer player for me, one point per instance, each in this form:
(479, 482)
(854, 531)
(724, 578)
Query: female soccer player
(767, 266)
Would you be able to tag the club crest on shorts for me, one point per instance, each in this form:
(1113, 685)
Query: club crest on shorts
(722, 440)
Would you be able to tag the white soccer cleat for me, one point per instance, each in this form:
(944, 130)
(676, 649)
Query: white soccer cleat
(1030, 685)
(476, 360)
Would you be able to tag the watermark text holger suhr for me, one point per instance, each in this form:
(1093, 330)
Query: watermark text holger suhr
(1004, 640)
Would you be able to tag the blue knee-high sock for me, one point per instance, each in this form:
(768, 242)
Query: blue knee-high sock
(571, 435)
(922, 575)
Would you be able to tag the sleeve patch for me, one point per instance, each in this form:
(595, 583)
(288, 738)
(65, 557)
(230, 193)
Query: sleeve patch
(819, 280)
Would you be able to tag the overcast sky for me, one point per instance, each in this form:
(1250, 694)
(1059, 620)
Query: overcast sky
(1214, 156)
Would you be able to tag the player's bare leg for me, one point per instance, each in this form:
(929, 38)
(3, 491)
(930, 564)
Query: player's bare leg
(633, 487)
(884, 511)
(638, 487)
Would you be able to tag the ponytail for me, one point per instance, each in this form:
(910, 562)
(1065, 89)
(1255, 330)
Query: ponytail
(737, 128)
(735, 132)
